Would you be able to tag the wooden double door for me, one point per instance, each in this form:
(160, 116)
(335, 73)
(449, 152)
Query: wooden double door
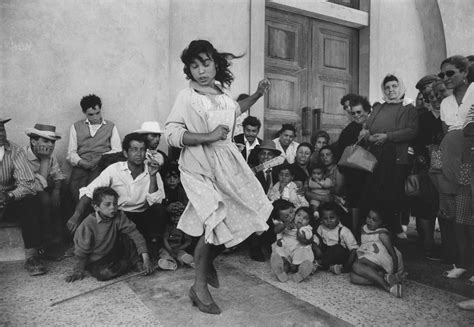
(311, 65)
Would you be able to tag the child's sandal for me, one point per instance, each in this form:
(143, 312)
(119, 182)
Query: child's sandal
(397, 290)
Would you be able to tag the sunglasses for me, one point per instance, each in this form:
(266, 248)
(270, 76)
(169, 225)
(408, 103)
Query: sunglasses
(356, 113)
(448, 73)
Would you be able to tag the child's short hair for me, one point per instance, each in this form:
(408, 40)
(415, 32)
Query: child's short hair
(101, 192)
(90, 101)
(286, 166)
(169, 169)
(330, 206)
(307, 210)
(381, 213)
(318, 166)
(279, 205)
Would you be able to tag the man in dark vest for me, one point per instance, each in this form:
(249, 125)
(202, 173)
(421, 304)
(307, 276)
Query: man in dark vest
(89, 139)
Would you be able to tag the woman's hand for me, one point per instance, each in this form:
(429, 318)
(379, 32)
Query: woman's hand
(380, 138)
(219, 133)
(263, 86)
(364, 133)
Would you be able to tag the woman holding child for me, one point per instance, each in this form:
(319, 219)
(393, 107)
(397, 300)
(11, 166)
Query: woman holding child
(226, 202)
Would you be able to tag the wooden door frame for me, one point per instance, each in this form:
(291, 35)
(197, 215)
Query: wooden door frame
(257, 46)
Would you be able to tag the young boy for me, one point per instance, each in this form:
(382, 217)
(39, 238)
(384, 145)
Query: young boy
(89, 139)
(287, 189)
(107, 243)
(292, 251)
(48, 179)
(335, 244)
(175, 241)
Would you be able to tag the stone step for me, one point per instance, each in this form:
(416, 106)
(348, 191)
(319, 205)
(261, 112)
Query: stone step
(11, 242)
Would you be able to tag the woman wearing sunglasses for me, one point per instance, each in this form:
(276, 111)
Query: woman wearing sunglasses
(456, 157)
(390, 128)
(359, 108)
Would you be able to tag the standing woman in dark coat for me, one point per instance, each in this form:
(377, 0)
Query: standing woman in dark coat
(425, 206)
(390, 128)
(354, 178)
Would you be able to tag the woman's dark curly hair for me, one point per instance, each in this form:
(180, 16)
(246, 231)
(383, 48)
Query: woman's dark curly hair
(222, 60)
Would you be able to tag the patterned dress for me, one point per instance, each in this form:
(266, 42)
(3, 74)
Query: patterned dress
(372, 249)
(226, 202)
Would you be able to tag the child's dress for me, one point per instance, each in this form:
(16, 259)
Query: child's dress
(292, 249)
(372, 249)
(289, 193)
(226, 201)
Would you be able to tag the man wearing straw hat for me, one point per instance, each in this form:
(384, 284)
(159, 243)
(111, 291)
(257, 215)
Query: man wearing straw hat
(152, 131)
(48, 178)
(17, 202)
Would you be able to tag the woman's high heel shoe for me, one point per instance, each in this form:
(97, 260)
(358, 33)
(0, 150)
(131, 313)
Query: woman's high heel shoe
(211, 308)
(211, 277)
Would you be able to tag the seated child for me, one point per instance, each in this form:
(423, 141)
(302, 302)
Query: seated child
(292, 250)
(318, 184)
(175, 242)
(286, 189)
(107, 243)
(378, 260)
(335, 244)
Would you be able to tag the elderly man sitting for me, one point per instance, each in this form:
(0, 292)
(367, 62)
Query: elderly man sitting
(17, 202)
(48, 178)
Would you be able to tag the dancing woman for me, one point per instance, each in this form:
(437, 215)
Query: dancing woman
(226, 202)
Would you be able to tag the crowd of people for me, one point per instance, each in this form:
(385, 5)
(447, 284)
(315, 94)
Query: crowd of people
(286, 201)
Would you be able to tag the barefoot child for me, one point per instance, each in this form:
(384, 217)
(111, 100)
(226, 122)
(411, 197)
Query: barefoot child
(175, 241)
(107, 243)
(378, 260)
(292, 250)
(335, 245)
(286, 189)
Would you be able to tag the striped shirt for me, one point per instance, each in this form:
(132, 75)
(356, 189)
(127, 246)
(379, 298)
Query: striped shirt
(15, 173)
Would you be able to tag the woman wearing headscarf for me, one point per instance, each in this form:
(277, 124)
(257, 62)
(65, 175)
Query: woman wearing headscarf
(391, 126)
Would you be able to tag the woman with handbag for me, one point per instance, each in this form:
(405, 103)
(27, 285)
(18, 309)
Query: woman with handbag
(456, 156)
(390, 128)
(359, 109)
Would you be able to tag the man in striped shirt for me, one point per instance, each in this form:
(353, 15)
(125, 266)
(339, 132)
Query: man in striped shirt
(17, 200)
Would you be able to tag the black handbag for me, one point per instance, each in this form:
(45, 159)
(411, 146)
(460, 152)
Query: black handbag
(412, 183)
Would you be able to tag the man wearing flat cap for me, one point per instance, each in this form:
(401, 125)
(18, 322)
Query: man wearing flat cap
(48, 178)
(17, 201)
(430, 132)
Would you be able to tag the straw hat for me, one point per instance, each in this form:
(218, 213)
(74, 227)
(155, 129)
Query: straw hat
(45, 131)
(150, 127)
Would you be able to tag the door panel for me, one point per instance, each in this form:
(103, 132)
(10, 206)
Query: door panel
(311, 64)
(286, 66)
(334, 67)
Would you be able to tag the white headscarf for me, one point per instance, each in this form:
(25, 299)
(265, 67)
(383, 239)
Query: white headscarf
(401, 95)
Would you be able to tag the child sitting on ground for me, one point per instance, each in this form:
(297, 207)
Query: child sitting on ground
(378, 260)
(286, 189)
(335, 245)
(292, 250)
(107, 243)
(318, 184)
(175, 242)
